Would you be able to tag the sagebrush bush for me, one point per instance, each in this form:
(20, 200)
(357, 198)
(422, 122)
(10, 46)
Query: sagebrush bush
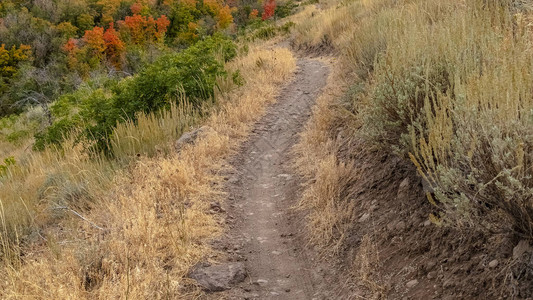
(448, 85)
(455, 92)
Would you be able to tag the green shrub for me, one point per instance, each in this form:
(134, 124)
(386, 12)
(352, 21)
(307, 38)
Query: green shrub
(285, 9)
(269, 30)
(286, 28)
(265, 33)
(449, 86)
(192, 72)
(9, 161)
(398, 96)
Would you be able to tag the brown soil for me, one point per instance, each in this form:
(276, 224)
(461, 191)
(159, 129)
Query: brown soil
(415, 258)
(264, 231)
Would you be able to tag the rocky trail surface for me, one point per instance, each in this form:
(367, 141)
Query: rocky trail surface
(269, 259)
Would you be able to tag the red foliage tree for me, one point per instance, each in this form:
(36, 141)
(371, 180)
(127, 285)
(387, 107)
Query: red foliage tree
(143, 29)
(114, 47)
(135, 24)
(269, 7)
(71, 49)
(162, 26)
(71, 45)
(253, 14)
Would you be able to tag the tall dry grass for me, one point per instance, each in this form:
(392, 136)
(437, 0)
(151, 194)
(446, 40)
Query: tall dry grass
(446, 84)
(141, 236)
(149, 134)
(327, 190)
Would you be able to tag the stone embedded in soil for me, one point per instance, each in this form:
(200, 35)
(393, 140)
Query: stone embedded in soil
(261, 281)
(219, 277)
(412, 283)
(403, 189)
(522, 247)
(215, 206)
(400, 225)
(448, 284)
(405, 183)
(364, 217)
(286, 176)
(493, 264)
(432, 275)
(189, 137)
(391, 226)
(430, 264)
(233, 179)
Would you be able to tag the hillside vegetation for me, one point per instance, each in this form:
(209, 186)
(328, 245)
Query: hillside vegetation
(445, 86)
(417, 159)
(95, 201)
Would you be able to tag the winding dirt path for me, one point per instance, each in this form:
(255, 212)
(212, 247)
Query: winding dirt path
(265, 232)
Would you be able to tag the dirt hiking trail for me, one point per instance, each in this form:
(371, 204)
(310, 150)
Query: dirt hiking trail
(265, 232)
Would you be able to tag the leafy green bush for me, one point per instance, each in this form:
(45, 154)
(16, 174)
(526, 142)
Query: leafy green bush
(286, 28)
(266, 32)
(285, 9)
(7, 163)
(192, 72)
(398, 96)
(269, 30)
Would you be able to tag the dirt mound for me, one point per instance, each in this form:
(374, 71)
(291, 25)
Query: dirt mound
(401, 254)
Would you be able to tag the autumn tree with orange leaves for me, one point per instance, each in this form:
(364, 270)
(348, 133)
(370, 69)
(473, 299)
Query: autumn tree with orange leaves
(269, 7)
(114, 47)
(144, 29)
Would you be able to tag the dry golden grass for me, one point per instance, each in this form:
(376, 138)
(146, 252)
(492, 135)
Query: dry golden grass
(364, 268)
(446, 84)
(139, 239)
(149, 135)
(328, 178)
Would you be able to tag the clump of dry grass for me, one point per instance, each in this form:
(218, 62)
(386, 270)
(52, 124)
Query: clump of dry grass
(447, 85)
(365, 264)
(327, 193)
(149, 134)
(141, 236)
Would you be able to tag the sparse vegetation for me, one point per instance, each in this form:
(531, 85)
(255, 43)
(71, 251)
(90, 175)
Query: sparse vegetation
(451, 97)
(94, 200)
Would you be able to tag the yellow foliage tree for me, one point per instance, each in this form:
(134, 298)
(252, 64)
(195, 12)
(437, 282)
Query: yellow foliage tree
(9, 59)
(224, 17)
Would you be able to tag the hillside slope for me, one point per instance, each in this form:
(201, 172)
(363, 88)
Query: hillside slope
(417, 154)
(375, 149)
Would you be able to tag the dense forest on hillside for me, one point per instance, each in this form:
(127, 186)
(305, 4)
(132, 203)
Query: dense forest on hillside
(66, 60)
